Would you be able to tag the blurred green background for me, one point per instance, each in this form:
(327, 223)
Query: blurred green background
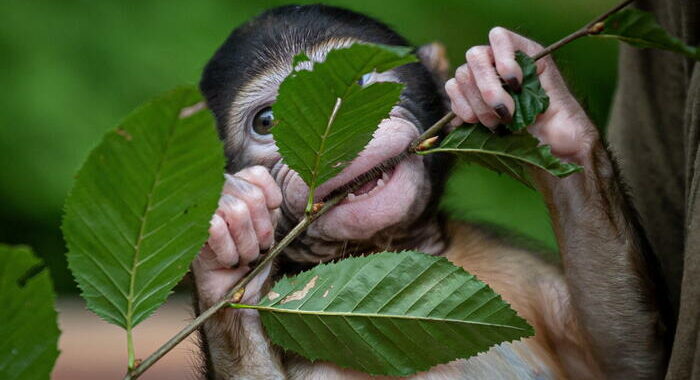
(71, 69)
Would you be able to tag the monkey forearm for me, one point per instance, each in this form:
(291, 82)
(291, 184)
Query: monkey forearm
(605, 266)
(238, 348)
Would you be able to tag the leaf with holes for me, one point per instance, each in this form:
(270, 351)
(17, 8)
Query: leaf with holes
(531, 100)
(387, 313)
(140, 207)
(640, 29)
(325, 117)
(29, 329)
(503, 154)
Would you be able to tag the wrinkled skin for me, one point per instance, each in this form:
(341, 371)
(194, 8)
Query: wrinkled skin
(589, 213)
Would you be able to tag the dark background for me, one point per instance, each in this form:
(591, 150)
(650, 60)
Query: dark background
(70, 70)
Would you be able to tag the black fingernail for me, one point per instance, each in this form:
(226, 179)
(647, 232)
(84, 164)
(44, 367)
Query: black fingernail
(501, 130)
(503, 114)
(513, 84)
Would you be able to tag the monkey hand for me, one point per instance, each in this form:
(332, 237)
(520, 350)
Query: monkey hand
(477, 95)
(243, 224)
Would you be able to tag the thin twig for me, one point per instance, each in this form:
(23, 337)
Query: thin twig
(134, 373)
(592, 27)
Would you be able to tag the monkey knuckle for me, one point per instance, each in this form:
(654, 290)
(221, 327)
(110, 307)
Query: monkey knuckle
(259, 171)
(451, 86)
(498, 32)
(217, 228)
(463, 74)
(238, 212)
(477, 52)
(275, 200)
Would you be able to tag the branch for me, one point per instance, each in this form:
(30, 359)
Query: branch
(593, 27)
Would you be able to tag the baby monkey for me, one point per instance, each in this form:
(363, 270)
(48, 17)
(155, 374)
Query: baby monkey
(596, 317)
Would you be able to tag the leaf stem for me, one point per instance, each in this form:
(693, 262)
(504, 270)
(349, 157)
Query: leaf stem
(134, 373)
(592, 27)
(130, 349)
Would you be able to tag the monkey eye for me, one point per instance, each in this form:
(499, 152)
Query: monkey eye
(263, 121)
(365, 79)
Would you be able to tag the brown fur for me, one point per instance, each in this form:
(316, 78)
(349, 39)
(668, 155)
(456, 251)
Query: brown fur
(535, 289)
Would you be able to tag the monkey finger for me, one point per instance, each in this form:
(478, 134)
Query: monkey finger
(467, 85)
(454, 123)
(221, 243)
(546, 69)
(481, 63)
(240, 224)
(254, 198)
(261, 177)
(458, 102)
(206, 259)
(504, 58)
(275, 216)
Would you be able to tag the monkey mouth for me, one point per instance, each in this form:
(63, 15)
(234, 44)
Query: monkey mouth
(384, 152)
(369, 182)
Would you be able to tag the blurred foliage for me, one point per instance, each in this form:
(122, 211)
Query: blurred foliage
(72, 69)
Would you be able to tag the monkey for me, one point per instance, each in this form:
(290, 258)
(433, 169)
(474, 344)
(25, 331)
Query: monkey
(595, 316)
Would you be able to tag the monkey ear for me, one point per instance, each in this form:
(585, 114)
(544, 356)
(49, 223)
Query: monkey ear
(434, 57)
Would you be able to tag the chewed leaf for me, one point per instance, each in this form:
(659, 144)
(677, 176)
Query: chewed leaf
(140, 207)
(503, 154)
(532, 100)
(299, 58)
(325, 117)
(640, 29)
(29, 328)
(388, 313)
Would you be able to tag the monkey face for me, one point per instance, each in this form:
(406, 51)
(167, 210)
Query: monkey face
(241, 83)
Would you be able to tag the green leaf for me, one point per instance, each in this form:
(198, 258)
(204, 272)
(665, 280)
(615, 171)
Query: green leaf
(29, 330)
(532, 100)
(325, 118)
(503, 154)
(299, 58)
(388, 313)
(640, 29)
(140, 207)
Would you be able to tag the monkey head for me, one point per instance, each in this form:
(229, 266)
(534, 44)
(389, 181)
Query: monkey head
(390, 210)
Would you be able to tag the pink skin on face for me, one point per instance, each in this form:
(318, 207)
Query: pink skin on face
(386, 204)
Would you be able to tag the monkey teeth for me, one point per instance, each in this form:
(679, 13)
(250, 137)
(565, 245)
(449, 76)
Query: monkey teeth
(368, 192)
(369, 181)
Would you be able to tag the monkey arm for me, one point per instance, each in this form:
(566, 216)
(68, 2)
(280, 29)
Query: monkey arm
(606, 265)
(235, 345)
(233, 341)
(602, 246)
